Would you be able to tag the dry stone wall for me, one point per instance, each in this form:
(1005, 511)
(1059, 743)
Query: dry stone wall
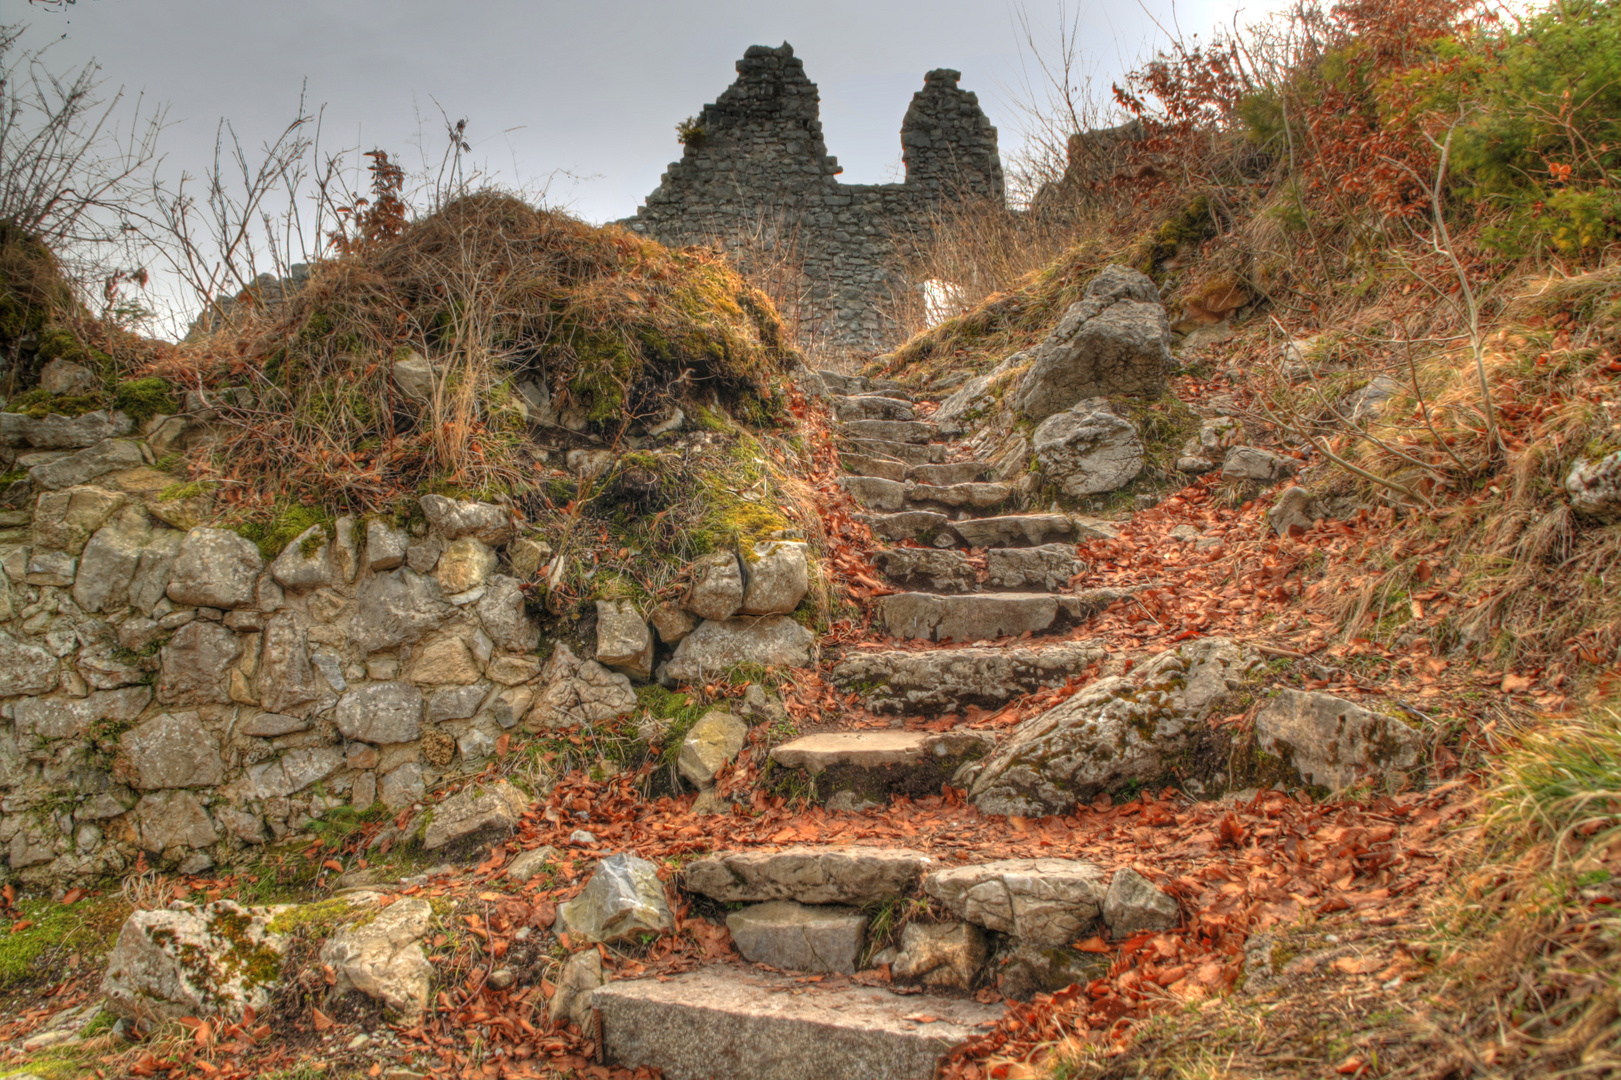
(756, 173)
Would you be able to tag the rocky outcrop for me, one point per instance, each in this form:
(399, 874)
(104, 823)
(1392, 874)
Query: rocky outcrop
(1328, 742)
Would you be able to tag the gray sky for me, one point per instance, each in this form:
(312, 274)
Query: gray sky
(593, 89)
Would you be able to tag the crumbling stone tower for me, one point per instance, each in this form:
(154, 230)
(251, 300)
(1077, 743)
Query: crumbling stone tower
(756, 174)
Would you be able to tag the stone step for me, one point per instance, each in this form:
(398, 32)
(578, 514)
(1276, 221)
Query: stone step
(882, 493)
(872, 764)
(808, 874)
(869, 465)
(949, 680)
(954, 472)
(901, 431)
(870, 407)
(734, 1023)
(842, 384)
(922, 525)
(1029, 530)
(1047, 568)
(926, 453)
(986, 616)
(933, 570)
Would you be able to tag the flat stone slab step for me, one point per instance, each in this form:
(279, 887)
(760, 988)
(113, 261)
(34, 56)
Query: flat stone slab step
(948, 680)
(924, 453)
(886, 468)
(729, 1023)
(910, 525)
(882, 493)
(901, 431)
(840, 383)
(808, 874)
(873, 764)
(986, 616)
(949, 473)
(1029, 530)
(1046, 568)
(870, 407)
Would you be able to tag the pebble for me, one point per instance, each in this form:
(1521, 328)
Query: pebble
(359, 1040)
(580, 836)
(501, 979)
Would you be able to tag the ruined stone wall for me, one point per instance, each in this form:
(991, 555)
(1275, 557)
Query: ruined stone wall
(756, 176)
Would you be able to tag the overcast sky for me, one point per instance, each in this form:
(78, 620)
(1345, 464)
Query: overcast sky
(591, 89)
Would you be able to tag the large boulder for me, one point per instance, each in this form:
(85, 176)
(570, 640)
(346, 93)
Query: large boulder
(1114, 340)
(578, 693)
(215, 568)
(715, 648)
(1115, 731)
(383, 958)
(1040, 901)
(219, 959)
(623, 899)
(1088, 449)
(1332, 743)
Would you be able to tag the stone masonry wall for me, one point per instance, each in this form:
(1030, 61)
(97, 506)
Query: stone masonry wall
(757, 172)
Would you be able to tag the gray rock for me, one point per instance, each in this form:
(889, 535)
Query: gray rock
(268, 725)
(173, 752)
(1041, 901)
(1296, 510)
(977, 496)
(581, 976)
(717, 587)
(196, 664)
(875, 493)
(72, 718)
(294, 771)
(899, 431)
(455, 703)
(51, 568)
(710, 1025)
(305, 563)
(385, 545)
(287, 682)
(1088, 449)
(387, 712)
(1253, 463)
(508, 707)
(193, 961)
(396, 608)
(949, 680)
(1028, 970)
(950, 474)
(623, 899)
(414, 377)
(673, 623)
(402, 786)
(977, 398)
(948, 955)
(717, 647)
(808, 874)
(927, 569)
(506, 618)
(109, 562)
(1368, 403)
(1047, 567)
(64, 520)
(454, 519)
(865, 465)
(711, 744)
(1015, 530)
(466, 563)
(477, 811)
(57, 432)
(624, 642)
(911, 453)
(383, 958)
(532, 863)
(1594, 487)
(578, 693)
(794, 936)
(173, 820)
(65, 377)
(1333, 743)
(83, 466)
(215, 568)
(149, 586)
(1216, 436)
(976, 617)
(779, 577)
(1113, 732)
(1114, 340)
(906, 525)
(25, 669)
(527, 556)
(1133, 905)
(870, 407)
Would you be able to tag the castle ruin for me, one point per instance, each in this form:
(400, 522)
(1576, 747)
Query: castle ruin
(756, 172)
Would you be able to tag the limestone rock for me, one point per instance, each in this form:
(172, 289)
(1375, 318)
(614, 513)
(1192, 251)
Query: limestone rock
(897, 431)
(874, 492)
(109, 562)
(454, 519)
(1046, 568)
(72, 718)
(673, 623)
(305, 563)
(1028, 970)
(1016, 530)
(527, 555)
(173, 820)
(65, 377)
(977, 617)
(852, 874)
(287, 682)
(111, 455)
(446, 659)
(1296, 510)
(941, 954)
(717, 647)
(465, 564)
(582, 974)
(1133, 904)
(623, 899)
(779, 577)
(717, 587)
(476, 810)
(1216, 436)
(414, 377)
(906, 525)
(1333, 743)
(1114, 340)
(215, 568)
(401, 786)
(1041, 901)
(869, 407)
(385, 545)
(578, 693)
(57, 432)
(196, 664)
(797, 937)
(1253, 463)
(948, 680)
(865, 465)
(624, 642)
(1113, 732)
(927, 569)
(396, 608)
(383, 958)
(506, 618)
(193, 961)
(25, 669)
(530, 864)
(173, 752)
(454, 703)
(978, 496)
(64, 520)
(51, 568)
(711, 744)
(1088, 449)
(1594, 487)
(295, 770)
(977, 398)
(150, 584)
(386, 712)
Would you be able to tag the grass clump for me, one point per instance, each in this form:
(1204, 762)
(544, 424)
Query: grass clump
(286, 523)
(54, 930)
(145, 398)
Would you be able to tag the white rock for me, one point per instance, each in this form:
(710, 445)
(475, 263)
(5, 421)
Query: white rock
(194, 961)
